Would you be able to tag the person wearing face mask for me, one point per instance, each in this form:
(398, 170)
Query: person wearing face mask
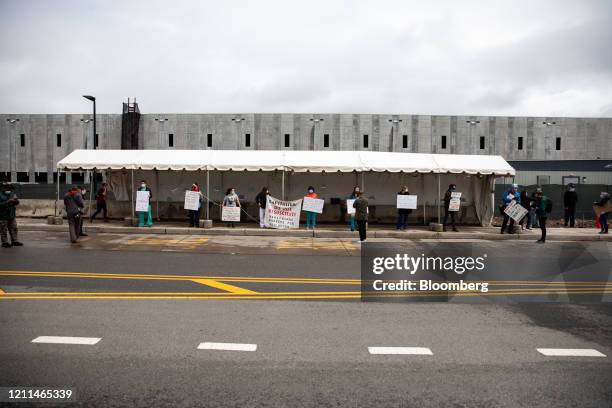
(509, 196)
(73, 201)
(311, 217)
(8, 216)
(403, 213)
(231, 200)
(148, 214)
(570, 199)
(604, 203)
(353, 196)
(262, 199)
(447, 213)
(194, 215)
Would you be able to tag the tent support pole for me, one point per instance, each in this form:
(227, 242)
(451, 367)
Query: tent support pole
(157, 193)
(438, 199)
(132, 194)
(58, 188)
(283, 185)
(207, 194)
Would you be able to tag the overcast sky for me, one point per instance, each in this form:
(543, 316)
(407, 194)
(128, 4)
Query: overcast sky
(427, 57)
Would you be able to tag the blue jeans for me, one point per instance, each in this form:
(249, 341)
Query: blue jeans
(352, 222)
(603, 220)
(141, 218)
(311, 219)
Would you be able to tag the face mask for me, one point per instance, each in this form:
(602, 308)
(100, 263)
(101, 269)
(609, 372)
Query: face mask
(143, 185)
(8, 191)
(233, 192)
(311, 191)
(572, 189)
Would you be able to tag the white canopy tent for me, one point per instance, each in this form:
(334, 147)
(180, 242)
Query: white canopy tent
(486, 168)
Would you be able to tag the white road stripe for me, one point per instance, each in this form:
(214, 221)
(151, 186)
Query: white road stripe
(560, 352)
(400, 350)
(227, 346)
(67, 340)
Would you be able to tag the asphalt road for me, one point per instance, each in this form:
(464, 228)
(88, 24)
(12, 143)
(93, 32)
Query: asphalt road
(311, 352)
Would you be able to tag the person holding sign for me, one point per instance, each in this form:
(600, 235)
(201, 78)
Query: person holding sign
(361, 215)
(194, 215)
(351, 211)
(402, 213)
(231, 200)
(311, 217)
(141, 214)
(509, 196)
(447, 212)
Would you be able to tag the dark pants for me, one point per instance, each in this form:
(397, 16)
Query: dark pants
(542, 222)
(361, 227)
(452, 217)
(570, 216)
(8, 226)
(603, 220)
(505, 222)
(74, 226)
(194, 218)
(100, 207)
(402, 220)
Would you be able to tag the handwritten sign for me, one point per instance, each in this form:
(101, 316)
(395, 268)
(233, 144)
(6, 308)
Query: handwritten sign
(142, 201)
(192, 200)
(281, 214)
(515, 211)
(349, 206)
(230, 214)
(313, 205)
(406, 201)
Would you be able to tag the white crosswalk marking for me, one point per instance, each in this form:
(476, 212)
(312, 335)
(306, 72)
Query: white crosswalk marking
(90, 341)
(227, 346)
(561, 352)
(400, 350)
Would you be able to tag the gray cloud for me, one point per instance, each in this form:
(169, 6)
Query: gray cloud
(484, 57)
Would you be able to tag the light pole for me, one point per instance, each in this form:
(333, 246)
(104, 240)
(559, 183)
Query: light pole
(314, 121)
(238, 121)
(12, 147)
(394, 125)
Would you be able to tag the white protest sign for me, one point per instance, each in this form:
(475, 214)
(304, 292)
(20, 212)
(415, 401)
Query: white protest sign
(192, 200)
(142, 201)
(230, 214)
(406, 201)
(282, 214)
(349, 206)
(515, 211)
(455, 201)
(313, 205)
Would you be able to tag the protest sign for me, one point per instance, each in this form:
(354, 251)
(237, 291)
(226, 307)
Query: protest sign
(313, 205)
(230, 214)
(515, 211)
(406, 201)
(192, 200)
(142, 201)
(349, 206)
(282, 214)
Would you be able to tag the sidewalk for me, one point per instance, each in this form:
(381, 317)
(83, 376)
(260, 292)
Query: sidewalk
(323, 231)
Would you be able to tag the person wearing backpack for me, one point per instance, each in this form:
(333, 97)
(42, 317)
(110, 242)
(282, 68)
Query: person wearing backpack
(543, 207)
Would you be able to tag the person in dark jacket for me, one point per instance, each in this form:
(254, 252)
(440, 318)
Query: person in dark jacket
(447, 213)
(73, 201)
(403, 213)
(525, 202)
(361, 215)
(101, 203)
(8, 216)
(603, 202)
(509, 196)
(262, 200)
(570, 200)
(543, 207)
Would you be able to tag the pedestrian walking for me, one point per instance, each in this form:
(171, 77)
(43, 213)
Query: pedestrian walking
(262, 200)
(570, 201)
(447, 213)
(353, 196)
(543, 207)
(8, 216)
(604, 204)
(73, 201)
(148, 214)
(403, 213)
(361, 215)
(101, 203)
(194, 215)
(311, 217)
(231, 199)
(508, 197)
